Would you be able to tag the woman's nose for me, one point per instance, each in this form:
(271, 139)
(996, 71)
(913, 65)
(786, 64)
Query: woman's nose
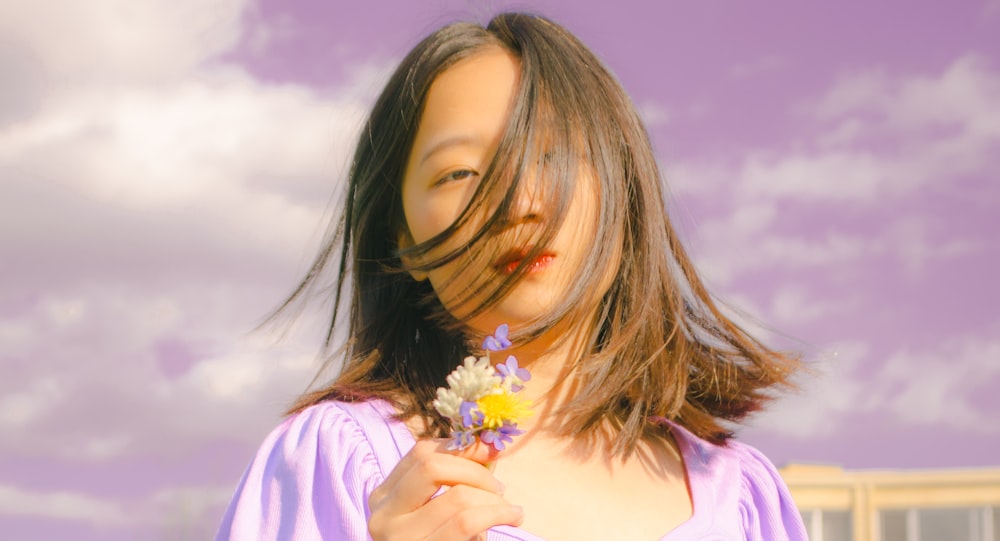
(527, 204)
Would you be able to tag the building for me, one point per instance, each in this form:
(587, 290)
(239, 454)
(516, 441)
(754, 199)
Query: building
(888, 505)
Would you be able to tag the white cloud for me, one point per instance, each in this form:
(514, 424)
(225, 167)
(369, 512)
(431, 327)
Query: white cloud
(926, 388)
(122, 39)
(796, 304)
(95, 388)
(726, 250)
(832, 390)
(925, 128)
(858, 91)
(880, 142)
(224, 151)
(653, 113)
(193, 511)
(150, 195)
(244, 376)
(746, 313)
(831, 177)
(806, 230)
(964, 96)
(912, 239)
(61, 505)
(20, 407)
(188, 512)
(762, 65)
(933, 387)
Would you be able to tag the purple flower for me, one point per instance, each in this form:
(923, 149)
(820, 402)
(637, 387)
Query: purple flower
(518, 375)
(470, 414)
(498, 437)
(461, 439)
(510, 429)
(477, 391)
(498, 341)
(490, 437)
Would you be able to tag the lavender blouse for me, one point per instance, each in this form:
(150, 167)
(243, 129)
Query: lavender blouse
(312, 476)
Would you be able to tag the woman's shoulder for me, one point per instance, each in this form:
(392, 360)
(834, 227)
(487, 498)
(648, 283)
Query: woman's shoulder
(348, 422)
(314, 472)
(737, 478)
(358, 435)
(731, 460)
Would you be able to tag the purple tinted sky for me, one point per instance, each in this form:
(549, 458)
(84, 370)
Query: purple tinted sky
(164, 174)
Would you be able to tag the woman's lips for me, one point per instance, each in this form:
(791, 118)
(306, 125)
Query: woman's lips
(509, 262)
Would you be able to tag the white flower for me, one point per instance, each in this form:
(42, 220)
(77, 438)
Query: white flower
(480, 401)
(474, 379)
(448, 403)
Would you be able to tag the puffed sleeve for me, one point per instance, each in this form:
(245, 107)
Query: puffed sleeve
(310, 480)
(766, 507)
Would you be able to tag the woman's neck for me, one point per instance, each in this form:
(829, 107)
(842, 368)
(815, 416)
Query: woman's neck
(552, 360)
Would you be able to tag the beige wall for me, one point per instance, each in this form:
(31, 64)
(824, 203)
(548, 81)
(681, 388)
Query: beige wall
(865, 493)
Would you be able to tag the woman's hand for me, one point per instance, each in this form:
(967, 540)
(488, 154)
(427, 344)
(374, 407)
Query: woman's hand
(403, 510)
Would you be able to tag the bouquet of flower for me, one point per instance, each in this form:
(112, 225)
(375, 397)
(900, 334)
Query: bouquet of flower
(482, 401)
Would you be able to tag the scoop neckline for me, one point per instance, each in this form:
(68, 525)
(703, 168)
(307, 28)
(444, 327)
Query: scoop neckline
(685, 441)
(691, 525)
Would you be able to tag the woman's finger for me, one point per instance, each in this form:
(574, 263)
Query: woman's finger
(460, 513)
(428, 467)
(468, 523)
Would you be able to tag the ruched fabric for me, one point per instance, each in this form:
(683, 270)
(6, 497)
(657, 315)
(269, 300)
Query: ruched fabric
(311, 478)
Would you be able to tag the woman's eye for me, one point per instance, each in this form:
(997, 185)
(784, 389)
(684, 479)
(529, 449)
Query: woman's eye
(460, 174)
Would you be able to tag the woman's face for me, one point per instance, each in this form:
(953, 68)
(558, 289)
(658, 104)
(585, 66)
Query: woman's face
(465, 113)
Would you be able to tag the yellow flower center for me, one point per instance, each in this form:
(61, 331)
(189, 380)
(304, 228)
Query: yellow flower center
(500, 407)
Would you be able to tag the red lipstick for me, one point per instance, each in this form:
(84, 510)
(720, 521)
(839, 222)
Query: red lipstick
(508, 263)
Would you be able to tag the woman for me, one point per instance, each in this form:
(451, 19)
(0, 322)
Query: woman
(503, 177)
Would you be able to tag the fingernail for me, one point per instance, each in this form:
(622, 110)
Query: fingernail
(500, 486)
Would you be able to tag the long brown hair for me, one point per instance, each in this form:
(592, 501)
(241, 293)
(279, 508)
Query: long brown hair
(660, 346)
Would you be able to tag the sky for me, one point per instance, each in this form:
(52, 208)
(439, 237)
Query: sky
(167, 169)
